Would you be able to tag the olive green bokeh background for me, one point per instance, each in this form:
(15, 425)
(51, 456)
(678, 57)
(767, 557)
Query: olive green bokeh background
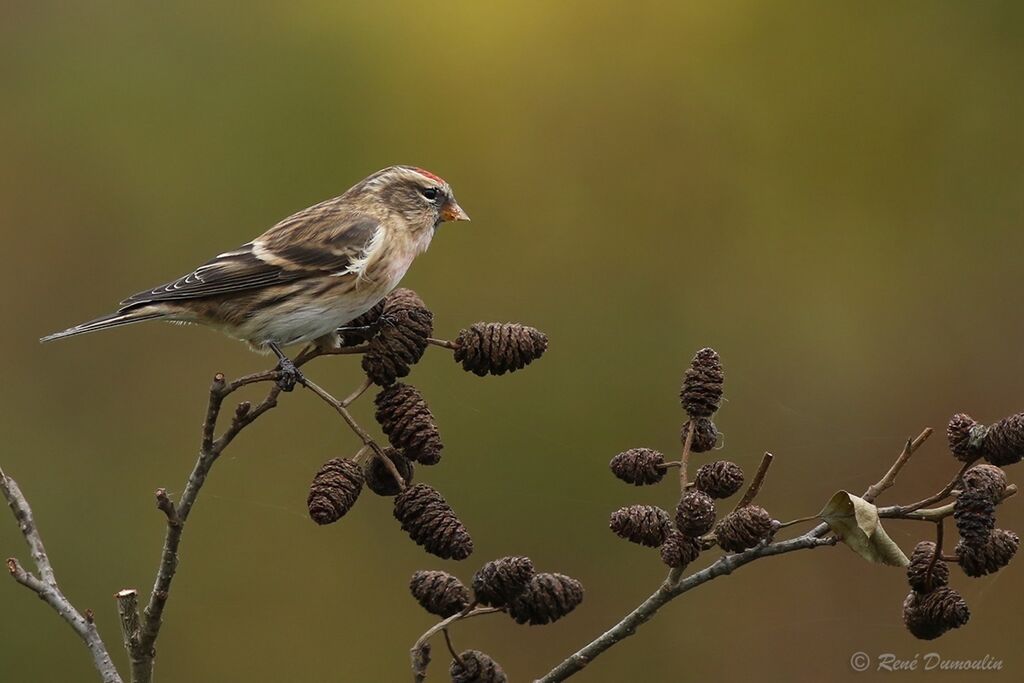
(828, 193)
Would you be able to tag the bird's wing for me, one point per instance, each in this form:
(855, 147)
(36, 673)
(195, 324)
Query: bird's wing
(326, 239)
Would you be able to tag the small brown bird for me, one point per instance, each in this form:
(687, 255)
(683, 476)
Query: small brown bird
(307, 276)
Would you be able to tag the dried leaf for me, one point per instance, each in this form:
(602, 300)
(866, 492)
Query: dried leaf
(855, 521)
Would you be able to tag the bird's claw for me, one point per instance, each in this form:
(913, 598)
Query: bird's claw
(288, 375)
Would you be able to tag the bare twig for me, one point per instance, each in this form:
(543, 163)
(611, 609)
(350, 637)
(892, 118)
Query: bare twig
(930, 514)
(890, 477)
(443, 343)
(935, 556)
(45, 586)
(755, 485)
(419, 662)
(177, 515)
(684, 460)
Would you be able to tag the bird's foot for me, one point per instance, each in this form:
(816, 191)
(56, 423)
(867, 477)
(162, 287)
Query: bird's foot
(288, 375)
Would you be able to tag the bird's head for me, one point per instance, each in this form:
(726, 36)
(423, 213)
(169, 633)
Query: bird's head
(424, 199)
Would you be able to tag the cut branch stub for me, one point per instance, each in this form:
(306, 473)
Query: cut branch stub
(474, 666)
(638, 466)
(431, 522)
(644, 524)
(499, 581)
(379, 477)
(719, 479)
(548, 598)
(405, 324)
(701, 392)
(334, 490)
(497, 348)
(439, 592)
(406, 419)
(989, 558)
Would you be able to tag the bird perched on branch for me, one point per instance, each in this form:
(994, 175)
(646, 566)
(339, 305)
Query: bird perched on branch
(307, 276)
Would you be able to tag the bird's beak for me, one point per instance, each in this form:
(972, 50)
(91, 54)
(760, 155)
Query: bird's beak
(453, 212)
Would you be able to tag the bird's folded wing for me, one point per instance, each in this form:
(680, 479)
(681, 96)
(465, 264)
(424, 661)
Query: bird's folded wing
(322, 240)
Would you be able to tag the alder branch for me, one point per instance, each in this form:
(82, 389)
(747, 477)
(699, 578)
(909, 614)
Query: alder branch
(674, 586)
(669, 591)
(45, 585)
(420, 651)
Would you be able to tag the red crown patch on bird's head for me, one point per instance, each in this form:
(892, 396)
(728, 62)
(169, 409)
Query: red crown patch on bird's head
(432, 176)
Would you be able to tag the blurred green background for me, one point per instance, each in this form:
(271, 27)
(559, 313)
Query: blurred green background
(828, 193)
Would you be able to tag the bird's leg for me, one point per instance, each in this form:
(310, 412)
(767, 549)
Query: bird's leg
(360, 333)
(289, 374)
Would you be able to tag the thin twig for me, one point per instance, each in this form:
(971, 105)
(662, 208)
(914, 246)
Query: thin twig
(935, 556)
(443, 343)
(177, 515)
(930, 514)
(347, 416)
(755, 485)
(419, 669)
(890, 477)
(348, 400)
(451, 648)
(46, 587)
(944, 493)
(684, 460)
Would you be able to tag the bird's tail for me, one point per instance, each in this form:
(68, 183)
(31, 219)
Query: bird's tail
(105, 322)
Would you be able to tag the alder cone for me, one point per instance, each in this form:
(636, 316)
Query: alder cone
(431, 522)
(701, 392)
(548, 598)
(705, 434)
(644, 524)
(719, 479)
(497, 348)
(501, 580)
(379, 478)
(334, 490)
(439, 592)
(679, 550)
(638, 466)
(988, 478)
(474, 666)
(1004, 441)
(404, 326)
(990, 557)
(743, 528)
(917, 570)
(695, 513)
(406, 419)
(975, 515)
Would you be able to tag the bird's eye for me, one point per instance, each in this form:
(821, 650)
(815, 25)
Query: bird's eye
(429, 192)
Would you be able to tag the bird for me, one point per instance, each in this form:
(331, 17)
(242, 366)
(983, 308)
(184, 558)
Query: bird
(307, 276)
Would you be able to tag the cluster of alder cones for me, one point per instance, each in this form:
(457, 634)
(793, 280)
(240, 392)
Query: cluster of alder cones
(509, 584)
(932, 608)
(401, 328)
(692, 529)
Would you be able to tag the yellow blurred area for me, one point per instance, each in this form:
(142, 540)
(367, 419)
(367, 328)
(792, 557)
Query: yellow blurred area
(830, 194)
